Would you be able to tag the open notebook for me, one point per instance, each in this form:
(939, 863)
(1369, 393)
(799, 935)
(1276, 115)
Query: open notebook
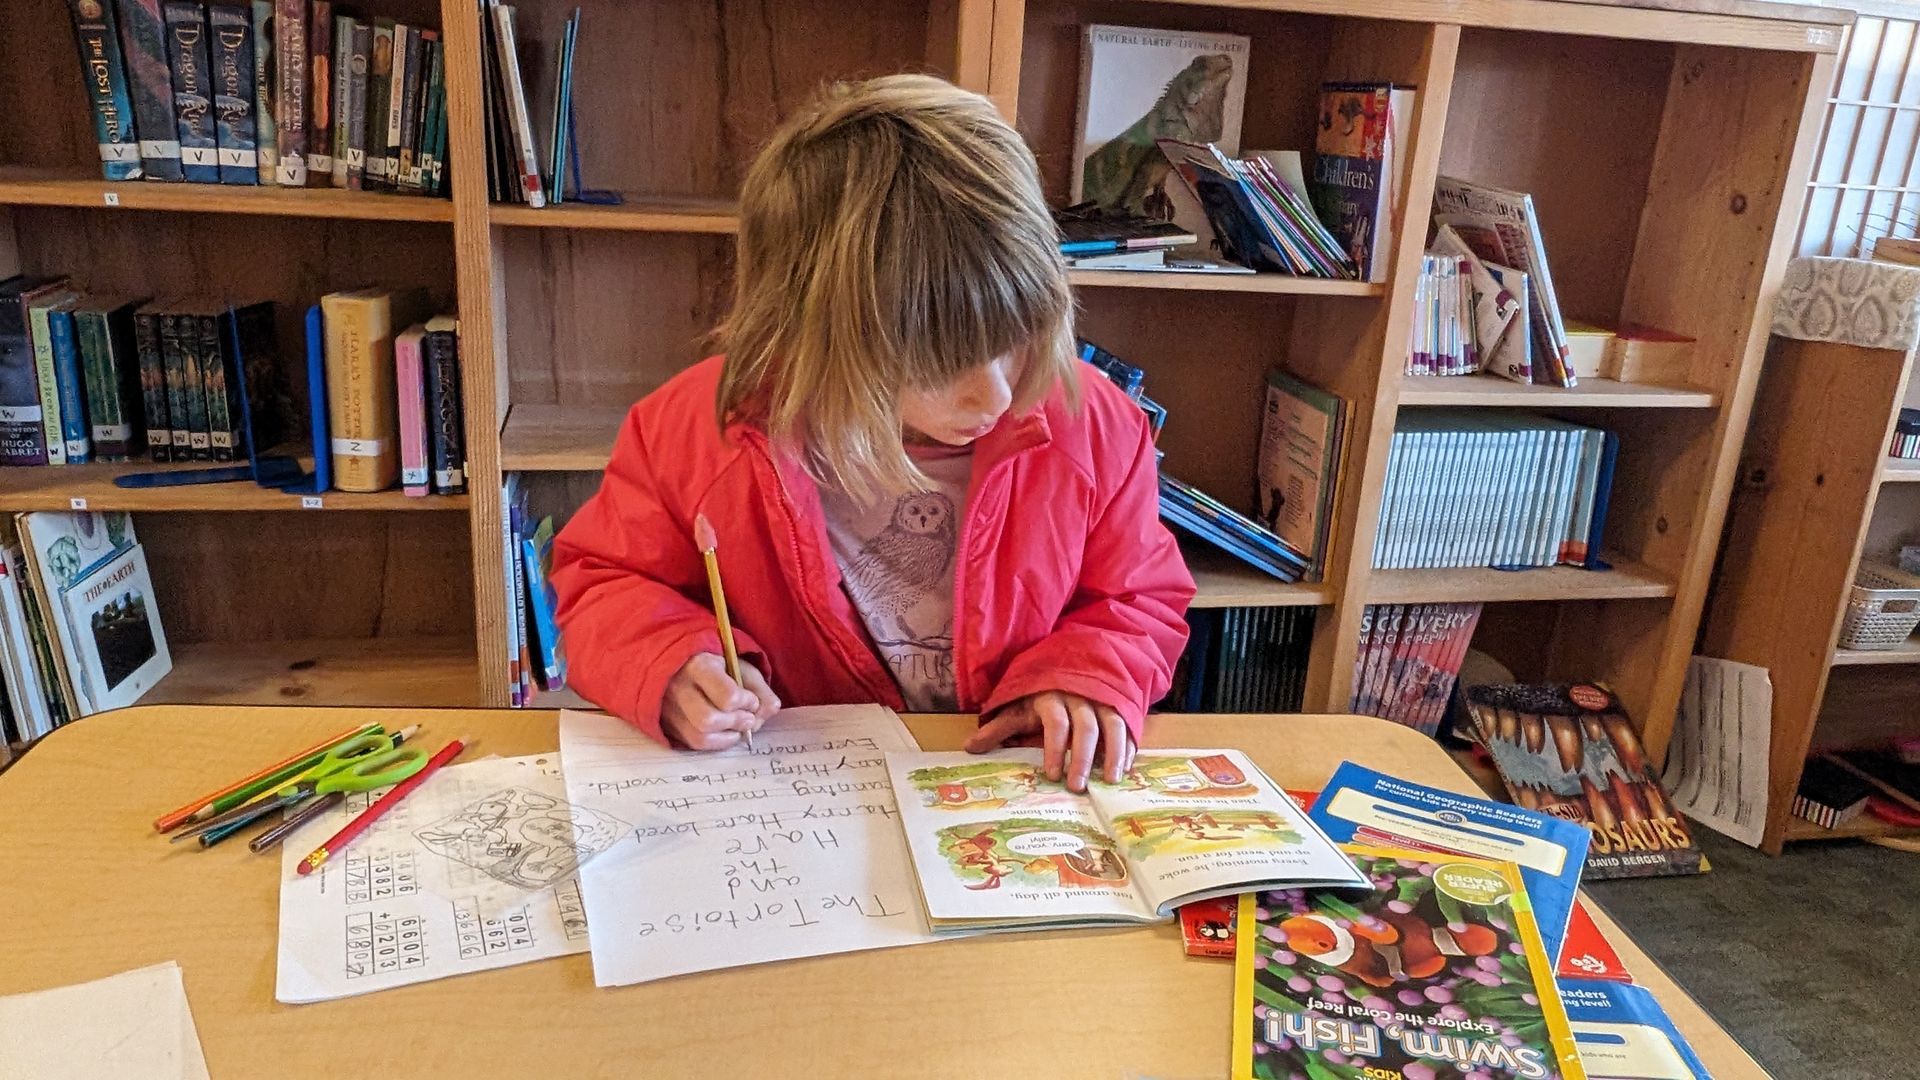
(996, 846)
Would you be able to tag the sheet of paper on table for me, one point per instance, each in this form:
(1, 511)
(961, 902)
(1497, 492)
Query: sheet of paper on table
(475, 870)
(742, 857)
(131, 1026)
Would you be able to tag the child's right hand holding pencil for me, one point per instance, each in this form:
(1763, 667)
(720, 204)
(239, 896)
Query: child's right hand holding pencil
(703, 709)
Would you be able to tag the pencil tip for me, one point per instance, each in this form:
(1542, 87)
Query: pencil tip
(703, 535)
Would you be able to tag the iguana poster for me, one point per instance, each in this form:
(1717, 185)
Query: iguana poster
(1138, 85)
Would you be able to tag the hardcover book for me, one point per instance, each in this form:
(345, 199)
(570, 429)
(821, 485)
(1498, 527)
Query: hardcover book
(446, 432)
(410, 383)
(113, 122)
(143, 50)
(1570, 751)
(997, 846)
(355, 116)
(70, 385)
(406, 50)
(153, 382)
(23, 435)
(1360, 141)
(360, 385)
(217, 387)
(320, 104)
(290, 90)
(250, 343)
(266, 76)
(179, 335)
(233, 93)
(64, 549)
(120, 647)
(1138, 86)
(406, 135)
(342, 95)
(1437, 972)
(111, 359)
(379, 89)
(46, 369)
(192, 91)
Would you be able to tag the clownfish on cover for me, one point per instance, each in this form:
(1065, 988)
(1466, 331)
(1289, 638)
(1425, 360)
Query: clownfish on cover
(1438, 973)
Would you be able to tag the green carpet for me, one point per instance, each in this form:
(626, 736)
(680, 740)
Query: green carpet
(1806, 959)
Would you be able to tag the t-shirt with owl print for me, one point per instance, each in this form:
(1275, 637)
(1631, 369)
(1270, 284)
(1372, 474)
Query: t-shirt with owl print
(896, 559)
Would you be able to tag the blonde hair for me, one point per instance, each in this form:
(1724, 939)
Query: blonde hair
(892, 235)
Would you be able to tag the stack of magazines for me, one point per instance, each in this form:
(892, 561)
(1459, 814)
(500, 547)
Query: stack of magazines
(1259, 211)
(1234, 533)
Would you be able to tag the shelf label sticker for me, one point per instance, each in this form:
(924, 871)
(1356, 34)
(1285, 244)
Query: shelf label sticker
(77, 504)
(310, 502)
(112, 198)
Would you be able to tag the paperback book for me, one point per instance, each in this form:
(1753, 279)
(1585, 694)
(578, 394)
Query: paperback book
(1302, 438)
(1360, 141)
(1409, 661)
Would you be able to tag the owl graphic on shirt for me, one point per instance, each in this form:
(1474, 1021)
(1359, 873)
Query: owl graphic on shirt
(899, 566)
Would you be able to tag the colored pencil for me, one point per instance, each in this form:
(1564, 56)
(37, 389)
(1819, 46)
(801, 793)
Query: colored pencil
(179, 817)
(318, 857)
(222, 825)
(313, 808)
(708, 542)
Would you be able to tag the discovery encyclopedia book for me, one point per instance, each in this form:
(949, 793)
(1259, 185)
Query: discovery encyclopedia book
(997, 846)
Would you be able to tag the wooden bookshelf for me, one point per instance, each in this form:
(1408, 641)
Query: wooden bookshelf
(1673, 134)
(1863, 827)
(1907, 652)
(91, 487)
(1900, 470)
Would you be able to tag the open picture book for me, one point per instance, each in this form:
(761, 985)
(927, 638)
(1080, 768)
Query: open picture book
(997, 846)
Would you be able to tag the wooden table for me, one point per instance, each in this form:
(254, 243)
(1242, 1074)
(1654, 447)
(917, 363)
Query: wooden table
(90, 891)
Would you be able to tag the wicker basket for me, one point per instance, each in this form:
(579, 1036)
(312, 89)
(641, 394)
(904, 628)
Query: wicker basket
(1883, 608)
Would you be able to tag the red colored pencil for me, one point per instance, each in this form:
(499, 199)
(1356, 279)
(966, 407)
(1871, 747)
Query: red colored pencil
(178, 817)
(359, 825)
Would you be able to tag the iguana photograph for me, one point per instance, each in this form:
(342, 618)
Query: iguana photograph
(1128, 173)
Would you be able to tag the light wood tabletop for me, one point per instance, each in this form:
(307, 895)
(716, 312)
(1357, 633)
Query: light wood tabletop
(89, 891)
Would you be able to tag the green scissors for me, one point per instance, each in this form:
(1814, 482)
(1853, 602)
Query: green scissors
(362, 763)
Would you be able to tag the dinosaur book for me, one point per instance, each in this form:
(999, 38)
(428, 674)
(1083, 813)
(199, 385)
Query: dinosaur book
(1138, 86)
(1437, 973)
(998, 846)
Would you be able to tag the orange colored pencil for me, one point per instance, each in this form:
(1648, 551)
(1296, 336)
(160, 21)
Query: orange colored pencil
(173, 820)
(318, 857)
(708, 542)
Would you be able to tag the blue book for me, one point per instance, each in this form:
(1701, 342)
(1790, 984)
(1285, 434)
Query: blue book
(1621, 1031)
(317, 401)
(192, 91)
(1205, 530)
(1602, 494)
(1360, 806)
(99, 40)
(231, 30)
(537, 553)
(71, 380)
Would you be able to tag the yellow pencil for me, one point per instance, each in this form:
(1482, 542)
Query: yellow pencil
(705, 538)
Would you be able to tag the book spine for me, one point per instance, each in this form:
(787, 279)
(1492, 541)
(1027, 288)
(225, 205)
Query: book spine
(358, 63)
(113, 124)
(212, 357)
(47, 378)
(405, 48)
(432, 165)
(143, 51)
(266, 130)
(360, 394)
(526, 162)
(320, 94)
(106, 348)
(414, 171)
(379, 83)
(445, 419)
(290, 89)
(411, 388)
(175, 360)
(342, 91)
(192, 91)
(70, 383)
(233, 92)
(153, 384)
(406, 140)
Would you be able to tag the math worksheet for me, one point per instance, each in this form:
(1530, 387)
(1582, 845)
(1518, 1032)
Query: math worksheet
(742, 857)
(475, 870)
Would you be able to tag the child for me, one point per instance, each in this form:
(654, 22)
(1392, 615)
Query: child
(918, 500)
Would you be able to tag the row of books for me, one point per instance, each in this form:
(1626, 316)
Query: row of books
(1410, 657)
(1837, 787)
(284, 92)
(1906, 435)
(1518, 331)
(1493, 487)
(526, 162)
(536, 658)
(1184, 92)
(1443, 342)
(388, 400)
(1242, 660)
(80, 628)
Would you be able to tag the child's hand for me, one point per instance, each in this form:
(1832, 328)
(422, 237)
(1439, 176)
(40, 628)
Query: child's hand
(1072, 730)
(705, 710)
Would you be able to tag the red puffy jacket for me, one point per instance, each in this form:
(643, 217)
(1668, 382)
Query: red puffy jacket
(1065, 578)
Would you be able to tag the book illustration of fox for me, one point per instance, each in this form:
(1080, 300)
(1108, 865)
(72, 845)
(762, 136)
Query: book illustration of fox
(1129, 173)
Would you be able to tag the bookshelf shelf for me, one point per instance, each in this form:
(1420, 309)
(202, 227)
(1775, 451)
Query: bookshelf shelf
(1860, 828)
(559, 438)
(1900, 471)
(1907, 652)
(56, 487)
(1220, 580)
(32, 187)
(1490, 390)
(430, 671)
(1226, 283)
(1626, 581)
(635, 215)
